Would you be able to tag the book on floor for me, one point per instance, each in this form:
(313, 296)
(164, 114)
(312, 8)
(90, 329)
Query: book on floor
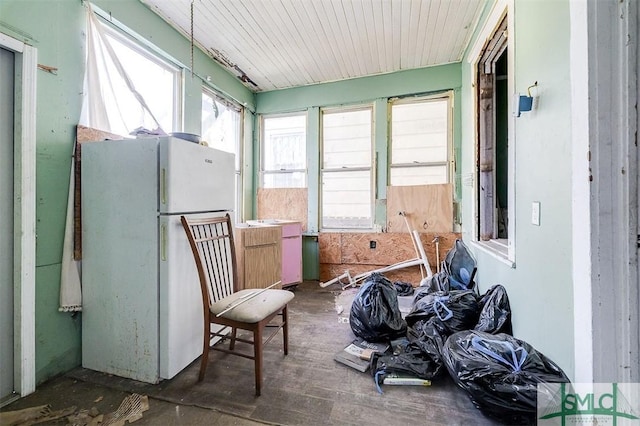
(358, 353)
(399, 379)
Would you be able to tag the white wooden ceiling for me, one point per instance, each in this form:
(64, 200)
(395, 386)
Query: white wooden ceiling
(276, 44)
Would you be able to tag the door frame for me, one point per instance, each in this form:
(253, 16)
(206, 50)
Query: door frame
(24, 240)
(604, 92)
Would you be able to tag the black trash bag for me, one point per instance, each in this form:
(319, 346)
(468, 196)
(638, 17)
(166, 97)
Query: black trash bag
(500, 373)
(460, 267)
(436, 282)
(409, 361)
(375, 315)
(495, 313)
(403, 288)
(429, 336)
(453, 311)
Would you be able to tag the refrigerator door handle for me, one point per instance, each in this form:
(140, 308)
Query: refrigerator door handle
(163, 186)
(163, 242)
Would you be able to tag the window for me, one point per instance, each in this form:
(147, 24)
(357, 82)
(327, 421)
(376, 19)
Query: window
(347, 158)
(492, 83)
(420, 141)
(222, 129)
(284, 151)
(158, 83)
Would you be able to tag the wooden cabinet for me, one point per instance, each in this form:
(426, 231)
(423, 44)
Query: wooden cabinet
(258, 255)
(289, 254)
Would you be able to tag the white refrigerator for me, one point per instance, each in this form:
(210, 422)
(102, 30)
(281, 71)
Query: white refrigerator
(142, 306)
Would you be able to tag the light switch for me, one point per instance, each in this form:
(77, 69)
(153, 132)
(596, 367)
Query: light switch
(535, 213)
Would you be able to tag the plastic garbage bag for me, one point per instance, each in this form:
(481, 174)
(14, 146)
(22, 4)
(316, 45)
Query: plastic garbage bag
(500, 373)
(495, 313)
(452, 311)
(403, 288)
(375, 315)
(436, 282)
(408, 361)
(459, 266)
(429, 336)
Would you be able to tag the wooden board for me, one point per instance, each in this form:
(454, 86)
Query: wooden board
(352, 251)
(429, 208)
(330, 247)
(83, 134)
(410, 275)
(283, 203)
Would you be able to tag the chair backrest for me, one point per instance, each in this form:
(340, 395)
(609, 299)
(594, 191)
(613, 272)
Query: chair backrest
(211, 241)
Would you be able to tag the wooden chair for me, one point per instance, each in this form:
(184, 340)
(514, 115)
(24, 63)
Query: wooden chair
(225, 308)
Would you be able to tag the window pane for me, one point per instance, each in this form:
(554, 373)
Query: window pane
(284, 180)
(346, 138)
(419, 132)
(154, 80)
(221, 128)
(221, 125)
(284, 143)
(402, 176)
(346, 199)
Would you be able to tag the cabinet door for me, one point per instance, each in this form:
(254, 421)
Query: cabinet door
(291, 260)
(261, 266)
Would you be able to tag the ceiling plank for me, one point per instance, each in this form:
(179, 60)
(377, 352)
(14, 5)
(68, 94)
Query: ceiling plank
(288, 43)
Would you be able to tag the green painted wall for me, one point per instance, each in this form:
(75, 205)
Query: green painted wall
(540, 284)
(56, 29)
(374, 90)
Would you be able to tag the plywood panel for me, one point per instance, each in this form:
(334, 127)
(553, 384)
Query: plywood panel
(330, 247)
(389, 248)
(83, 134)
(283, 203)
(351, 251)
(329, 271)
(429, 208)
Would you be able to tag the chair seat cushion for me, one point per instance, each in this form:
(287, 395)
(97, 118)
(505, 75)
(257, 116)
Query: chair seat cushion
(256, 308)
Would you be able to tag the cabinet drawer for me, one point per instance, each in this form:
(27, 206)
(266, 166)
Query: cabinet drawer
(291, 230)
(260, 236)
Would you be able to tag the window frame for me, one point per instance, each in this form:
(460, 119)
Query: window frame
(500, 249)
(239, 146)
(449, 163)
(141, 47)
(263, 172)
(371, 168)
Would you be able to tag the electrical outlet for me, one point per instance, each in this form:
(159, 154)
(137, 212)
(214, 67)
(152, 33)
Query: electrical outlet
(535, 213)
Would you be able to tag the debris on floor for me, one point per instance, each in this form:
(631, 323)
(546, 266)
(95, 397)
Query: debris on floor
(33, 415)
(130, 410)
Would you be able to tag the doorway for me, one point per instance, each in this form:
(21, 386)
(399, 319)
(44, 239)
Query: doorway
(18, 65)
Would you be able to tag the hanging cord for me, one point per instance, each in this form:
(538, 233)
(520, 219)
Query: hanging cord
(191, 38)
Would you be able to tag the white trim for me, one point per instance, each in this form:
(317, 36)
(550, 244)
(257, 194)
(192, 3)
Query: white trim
(580, 200)
(511, 128)
(28, 222)
(11, 43)
(494, 249)
(24, 215)
(500, 7)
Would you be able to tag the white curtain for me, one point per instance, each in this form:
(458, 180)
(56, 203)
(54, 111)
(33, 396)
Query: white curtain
(101, 109)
